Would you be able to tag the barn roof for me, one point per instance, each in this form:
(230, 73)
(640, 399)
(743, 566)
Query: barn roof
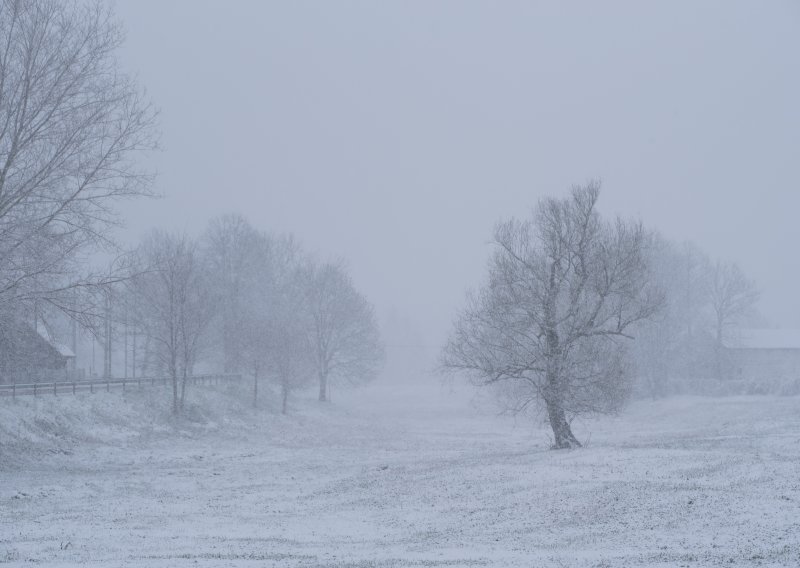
(764, 339)
(62, 349)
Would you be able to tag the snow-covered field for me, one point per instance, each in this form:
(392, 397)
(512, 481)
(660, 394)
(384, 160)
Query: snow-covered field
(400, 476)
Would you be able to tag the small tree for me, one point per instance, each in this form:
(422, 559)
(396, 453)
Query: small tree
(173, 306)
(344, 334)
(733, 298)
(564, 288)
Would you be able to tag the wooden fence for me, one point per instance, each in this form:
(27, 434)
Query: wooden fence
(96, 385)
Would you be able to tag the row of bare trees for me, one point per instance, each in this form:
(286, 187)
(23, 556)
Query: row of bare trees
(576, 306)
(706, 304)
(253, 303)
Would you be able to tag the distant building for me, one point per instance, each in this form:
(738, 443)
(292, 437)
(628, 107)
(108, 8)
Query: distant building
(30, 356)
(763, 355)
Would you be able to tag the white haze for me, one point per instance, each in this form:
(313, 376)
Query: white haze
(397, 134)
(252, 382)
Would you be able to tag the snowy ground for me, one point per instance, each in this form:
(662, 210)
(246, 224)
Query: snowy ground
(413, 476)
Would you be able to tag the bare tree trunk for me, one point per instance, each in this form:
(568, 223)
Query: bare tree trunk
(323, 387)
(125, 342)
(564, 438)
(175, 393)
(718, 350)
(285, 395)
(183, 388)
(107, 352)
(133, 367)
(227, 346)
(255, 387)
(555, 395)
(74, 343)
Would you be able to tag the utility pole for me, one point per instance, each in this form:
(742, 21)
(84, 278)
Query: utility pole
(107, 362)
(125, 374)
(74, 337)
(134, 352)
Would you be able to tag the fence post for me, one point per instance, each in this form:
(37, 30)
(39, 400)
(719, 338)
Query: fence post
(108, 384)
(91, 387)
(73, 387)
(123, 384)
(55, 386)
(14, 391)
(34, 389)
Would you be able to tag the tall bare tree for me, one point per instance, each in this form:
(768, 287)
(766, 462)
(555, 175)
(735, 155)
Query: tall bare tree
(278, 320)
(174, 306)
(71, 128)
(271, 327)
(237, 257)
(344, 334)
(564, 288)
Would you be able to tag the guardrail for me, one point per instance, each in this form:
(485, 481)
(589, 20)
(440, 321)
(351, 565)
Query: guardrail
(106, 384)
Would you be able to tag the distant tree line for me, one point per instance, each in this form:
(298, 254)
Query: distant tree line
(253, 303)
(706, 303)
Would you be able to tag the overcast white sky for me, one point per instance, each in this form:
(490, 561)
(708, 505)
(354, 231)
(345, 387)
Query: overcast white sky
(395, 134)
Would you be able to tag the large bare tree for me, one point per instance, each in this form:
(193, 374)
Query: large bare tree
(344, 334)
(564, 288)
(71, 129)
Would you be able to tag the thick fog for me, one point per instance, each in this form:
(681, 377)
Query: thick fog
(397, 134)
(383, 284)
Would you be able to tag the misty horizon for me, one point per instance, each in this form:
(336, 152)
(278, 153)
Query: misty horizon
(392, 121)
(355, 284)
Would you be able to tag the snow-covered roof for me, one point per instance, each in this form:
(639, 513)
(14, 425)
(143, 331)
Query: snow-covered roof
(63, 350)
(764, 339)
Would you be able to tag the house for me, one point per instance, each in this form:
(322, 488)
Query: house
(763, 355)
(26, 355)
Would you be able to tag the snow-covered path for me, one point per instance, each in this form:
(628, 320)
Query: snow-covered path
(394, 476)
